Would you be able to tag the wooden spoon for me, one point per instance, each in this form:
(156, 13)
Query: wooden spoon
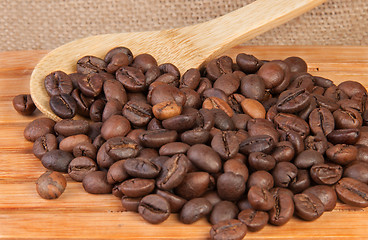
(186, 47)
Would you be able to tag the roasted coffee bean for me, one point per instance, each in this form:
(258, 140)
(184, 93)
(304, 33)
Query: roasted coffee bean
(79, 167)
(193, 99)
(252, 86)
(99, 140)
(68, 127)
(293, 137)
(169, 79)
(57, 83)
(173, 148)
(240, 120)
(165, 110)
(347, 118)
(205, 158)
(222, 211)
(130, 204)
(85, 149)
(194, 185)
(226, 144)
(216, 67)
(57, 160)
(294, 100)
(352, 88)
(137, 187)
(323, 82)
(229, 83)
(24, 104)
(342, 154)
(284, 173)
(91, 64)
(217, 103)
(318, 143)
(176, 202)
(334, 93)
(157, 138)
(115, 90)
(204, 84)
(164, 93)
(255, 220)
(300, 182)
(112, 107)
(144, 62)
(94, 130)
(173, 172)
(90, 85)
(272, 74)
(116, 61)
(96, 110)
(190, 79)
(363, 139)
(68, 143)
(141, 168)
(296, 64)
(117, 173)
(352, 192)
(83, 102)
(248, 63)
(344, 136)
(261, 161)
(103, 159)
(205, 119)
(326, 102)
(222, 121)
(237, 167)
(234, 100)
(308, 206)
(358, 170)
(302, 80)
(194, 210)
(132, 78)
(229, 229)
(214, 92)
(114, 51)
(50, 185)
(154, 208)
(64, 106)
(195, 136)
(287, 122)
(283, 209)
(96, 182)
(212, 197)
(230, 186)
(115, 126)
(180, 122)
(325, 193)
(326, 173)
(283, 151)
(308, 158)
(121, 147)
(44, 144)
(260, 198)
(253, 108)
(261, 179)
(260, 143)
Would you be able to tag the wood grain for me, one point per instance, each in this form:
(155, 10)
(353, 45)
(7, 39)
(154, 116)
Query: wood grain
(77, 214)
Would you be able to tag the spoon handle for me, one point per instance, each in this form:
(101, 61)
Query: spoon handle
(217, 35)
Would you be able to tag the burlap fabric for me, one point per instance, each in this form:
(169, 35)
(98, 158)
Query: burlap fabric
(46, 24)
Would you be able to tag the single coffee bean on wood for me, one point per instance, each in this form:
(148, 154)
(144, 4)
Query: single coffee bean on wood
(51, 185)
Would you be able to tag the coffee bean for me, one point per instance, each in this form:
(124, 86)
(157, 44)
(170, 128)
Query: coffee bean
(194, 185)
(117, 173)
(230, 186)
(50, 185)
(351, 88)
(229, 229)
(141, 168)
(57, 160)
(283, 151)
(173, 148)
(205, 158)
(292, 101)
(121, 147)
(229, 83)
(225, 144)
(308, 206)
(252, 86)
(284, 173)
(157, 138)
(347, 118)
(344, 136)
(115, 90)
(79, 167)
(358, 170)
(68, 127)
(193, 99)
(130, 204)
(165, 110)
(44, 144)
(290, 122)
(253, 108)
(260, 143)
(144, 62)
(352, 192)
(176, 202)
(85, 149)
(325, 102)
(115, 126)
(308, 158)
(342, 154)
(83, 102)
(96, 110)
(116, 61)
(154, 208)
(325, 193)
(217, 103)
(295, 139)
(260, 198)
(96, 182)
(137, 187)
(57, 83)
(222, 211)
(190, 79)
(68, 143)
(64, 106)
(91, 64)
(296, 64)
(112, 107)
(318, 143)
(103, 159)
(132, 78)
(173, 172)
(261, 161)
(301, 181)
(195, 209)
(272, 74)
(236, 167)
(216, 67)
(91, 84)
(283, 209)
(24, 104)
(255, 220)
(117, 50)
(248, 63)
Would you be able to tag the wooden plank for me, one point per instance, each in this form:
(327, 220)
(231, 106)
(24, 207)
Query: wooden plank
(77, 214)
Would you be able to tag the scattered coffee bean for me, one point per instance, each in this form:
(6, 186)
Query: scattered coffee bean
(51, 185)
(24, 104)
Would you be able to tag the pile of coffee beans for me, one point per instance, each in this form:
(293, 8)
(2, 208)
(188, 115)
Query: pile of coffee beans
(242, 143)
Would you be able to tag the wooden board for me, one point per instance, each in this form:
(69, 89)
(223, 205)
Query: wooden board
(77, 214)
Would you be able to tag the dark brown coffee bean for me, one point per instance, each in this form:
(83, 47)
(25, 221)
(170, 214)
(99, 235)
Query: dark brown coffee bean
(64, 106)
(261, 179)
(222, 211)
(96, 182)
(230, 186)
(157, 138)
(226, 144)
(68, 143)
(179, 122)
(344, 136)
(252, 86)
(308, 158)
(112, 107)
(138, 113)
(228, 230)
(240, 120)
(302, 80)
(190, 79)
(205, 119)
(173, 148)
(342, 154)
(229, 83)
(57, 83)
(283, 151)
(24, 104)
(50, 185)
(301, 181)
(347, 118)
(144, 62)
(121, 147)
(164, 93)
(115, 90)
(272, 74)
(283, 209)
(284, 173)
(193, 99)
(57, 160)
(79, 167)
(327, 173)
(68, 127)
(260, 198)
(141, 167)
(217, 103)
(194, 210)
(255, 220)
(216, 67)
(116, 61)
(203, 85)
(115, 126)
(248, 63)
(358, 170)
(260, 143)
(325, 193)
(90, 85)
(325, 102)
(234, 100)
(91, 64)
(318, 143)
(44, 144)
(205, 158)
(352, 192)
(214, 92)
(237, 167)
(85, 149)
(296, 64)
(117, 173)
(323, 82)
(292, 101)
(261, 161)
(96, 110)
(137, 187)
(194, 185)
(352, 88)
(308, 206)
(130, 204)
(154, 208)
(83, 102)
(176, 202)
(295, 139)
(114, 51)
(287, 122)
(173, 172)
(132, 78)
(334, 93)
(103, 159)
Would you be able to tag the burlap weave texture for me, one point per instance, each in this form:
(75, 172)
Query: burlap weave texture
(46, 24)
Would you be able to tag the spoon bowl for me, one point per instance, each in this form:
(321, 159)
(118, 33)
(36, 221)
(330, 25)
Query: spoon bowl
(187, 47)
